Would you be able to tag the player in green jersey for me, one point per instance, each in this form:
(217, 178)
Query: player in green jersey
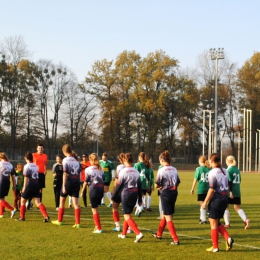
(108, 168)
(201, 177)
(234, 178)
(142, 167)
(150, 188)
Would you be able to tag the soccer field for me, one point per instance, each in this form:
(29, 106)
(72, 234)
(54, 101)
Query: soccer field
(34, 239)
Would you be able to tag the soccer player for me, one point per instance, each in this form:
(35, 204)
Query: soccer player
(31, 188)
(41, 160)
(19, 185)
(94, 178)
(57, 172)
(150, 187)
(167, 182)
(109, 173)
(217, 197)
(6, 171)
(234, 178)
(129, 187)
(142, 167)
(201, 177)
(117, 200)
(84, 164)
(70, 184)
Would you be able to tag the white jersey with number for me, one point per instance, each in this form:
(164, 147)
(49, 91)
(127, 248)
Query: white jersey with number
(218, 180)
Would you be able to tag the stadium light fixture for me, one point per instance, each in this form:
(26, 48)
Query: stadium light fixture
(216, 54)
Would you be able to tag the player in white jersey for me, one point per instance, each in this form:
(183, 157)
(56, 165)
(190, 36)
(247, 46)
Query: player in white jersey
(94, 178)
(117, 200)
(31, 188)
(70, 184)
(167, 182)
(6, 171)
(217, 197)
(129, 187)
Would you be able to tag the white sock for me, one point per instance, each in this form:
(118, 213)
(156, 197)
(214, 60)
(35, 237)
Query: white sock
(144, 201)
(242, 214)
(117, 224)
(70, 200)
(108, 194)
(203, 214)
(226, 217)
(160, 207)
(102, 201)
(149, 201)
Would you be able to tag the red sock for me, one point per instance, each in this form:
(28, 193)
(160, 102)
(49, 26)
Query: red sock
(172, 230)
(77, 216)
(125, 227)
(1, 209)
(22, 211)
(214, 237)
(223, 232)
(7, 205)
(60, 214)
(116, 216)
(133, 226)
(161, 227)
(43, 210)
(97, 221)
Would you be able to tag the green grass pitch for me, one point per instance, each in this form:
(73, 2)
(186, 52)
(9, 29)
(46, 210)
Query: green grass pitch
(34, 239)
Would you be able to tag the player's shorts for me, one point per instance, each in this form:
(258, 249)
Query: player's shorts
(41, 180)
(31, 192)
(202, 197)
(71, 190)
(95, 196)
(4, 191)
(107, 183)
(117, 199)
(144, 192)
(128, 201)
(217, 207)
(168, 199)
(235, 200)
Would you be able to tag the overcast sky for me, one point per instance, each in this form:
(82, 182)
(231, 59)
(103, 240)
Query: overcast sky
(79, 32)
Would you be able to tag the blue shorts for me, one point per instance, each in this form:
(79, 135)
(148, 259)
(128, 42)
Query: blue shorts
(95, 196)
(31, 192)
(128, 201)
(217, 207)
(168, 200)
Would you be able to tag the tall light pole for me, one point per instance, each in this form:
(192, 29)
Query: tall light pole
(216, 54)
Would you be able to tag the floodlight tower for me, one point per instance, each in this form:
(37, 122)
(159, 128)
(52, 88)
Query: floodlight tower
(216, 54)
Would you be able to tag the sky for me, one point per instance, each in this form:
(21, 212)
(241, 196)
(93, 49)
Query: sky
(77, 33)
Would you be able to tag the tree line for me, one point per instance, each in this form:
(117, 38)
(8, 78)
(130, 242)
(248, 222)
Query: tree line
(131, 103)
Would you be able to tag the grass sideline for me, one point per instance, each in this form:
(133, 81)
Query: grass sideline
(34, 239)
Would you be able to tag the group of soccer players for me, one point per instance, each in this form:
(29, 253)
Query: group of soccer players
(132, 182)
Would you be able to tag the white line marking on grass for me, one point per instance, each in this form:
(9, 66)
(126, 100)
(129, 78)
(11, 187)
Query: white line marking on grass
(147, 229)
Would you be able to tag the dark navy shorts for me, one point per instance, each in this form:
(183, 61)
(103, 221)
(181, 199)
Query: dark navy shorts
(42, 180)
(217, 207)
(168, 199)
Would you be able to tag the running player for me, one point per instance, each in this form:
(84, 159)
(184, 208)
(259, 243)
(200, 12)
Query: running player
(234, 178)
(94, 178)
(70, 184)
(129, 187)
(217, 197)
(108, 168)
(142, 167)
(57, 172)
(167, 182)
(31, 188)
(201, 176)
(6, 171)
(84, 164)
(41, 160)
(117, 200)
